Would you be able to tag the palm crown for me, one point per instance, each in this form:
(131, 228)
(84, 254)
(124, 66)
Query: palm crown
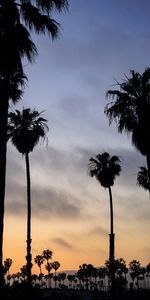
(105, 168)
(131, 109)
(26, 128)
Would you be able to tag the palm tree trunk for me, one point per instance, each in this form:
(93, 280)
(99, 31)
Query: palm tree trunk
(148, 167)
(112, 246)
(4, 103)
(29, 256)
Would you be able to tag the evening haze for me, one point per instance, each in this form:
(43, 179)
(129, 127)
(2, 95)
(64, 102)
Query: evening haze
(99, 42)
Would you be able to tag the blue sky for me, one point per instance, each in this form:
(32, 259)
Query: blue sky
(99, 42)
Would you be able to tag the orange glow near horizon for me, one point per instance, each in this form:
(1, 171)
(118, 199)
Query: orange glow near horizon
(82, 247)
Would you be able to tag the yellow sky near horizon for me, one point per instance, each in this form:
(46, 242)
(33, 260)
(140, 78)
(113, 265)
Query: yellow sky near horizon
(83, 241)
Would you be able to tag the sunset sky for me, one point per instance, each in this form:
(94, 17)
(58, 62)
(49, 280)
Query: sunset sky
(99, 42)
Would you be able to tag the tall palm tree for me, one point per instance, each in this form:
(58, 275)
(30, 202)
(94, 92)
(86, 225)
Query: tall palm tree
(13, 86)
(55, 266)
(26, 128)
(105, 169)
(17, 20)
(47, 255)
(131, 111)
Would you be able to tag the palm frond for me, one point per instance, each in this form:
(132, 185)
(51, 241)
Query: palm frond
(143, 178)
(50, 5)
(130, 108)
(35, 20)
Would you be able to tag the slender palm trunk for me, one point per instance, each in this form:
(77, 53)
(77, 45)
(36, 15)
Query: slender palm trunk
(29, 256)
(112, 246)
(148, 167)
(4, 102)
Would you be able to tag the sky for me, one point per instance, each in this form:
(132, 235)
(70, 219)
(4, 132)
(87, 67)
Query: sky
(99, 42)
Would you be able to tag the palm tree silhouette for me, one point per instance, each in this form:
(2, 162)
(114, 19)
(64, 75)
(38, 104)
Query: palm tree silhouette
(7, 264)
(105, 169)
(39, 259)
(25, 130)
(47, 254)
(143, 178)
(18, 19)
(13, 86)
(135, 267)
(55, 266)
(131, 111)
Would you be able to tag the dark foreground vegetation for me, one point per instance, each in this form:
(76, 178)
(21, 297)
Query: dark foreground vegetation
(22, 293)
(87, 283)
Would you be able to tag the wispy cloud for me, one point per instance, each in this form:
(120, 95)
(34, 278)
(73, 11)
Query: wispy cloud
(98, 230)
(62, 242)
(45, 203)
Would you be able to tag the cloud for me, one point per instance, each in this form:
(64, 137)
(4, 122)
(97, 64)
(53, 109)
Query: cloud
(62, 242)
(46, 202)
(98, 230)
(16, 208)
(62, 188)
(74, 107)
(55, 203)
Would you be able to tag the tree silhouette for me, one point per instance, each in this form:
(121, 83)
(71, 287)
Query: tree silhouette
(105, 169)
(47, 254)
(55, 266)
(25, 130)
(143, 178)
(135, 267)
(148, 270)
(13, 87)
(62, 277)
(101, 272)
(23, 271)
(39, 259)
(17, 20)
(131, 111)
(7, 264)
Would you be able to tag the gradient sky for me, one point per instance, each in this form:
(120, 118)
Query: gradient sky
(99, 42)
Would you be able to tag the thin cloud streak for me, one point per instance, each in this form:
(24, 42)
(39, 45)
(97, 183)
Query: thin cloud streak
(61, 242)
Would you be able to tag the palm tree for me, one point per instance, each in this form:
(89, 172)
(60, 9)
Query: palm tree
(17, 20)
(23, 272)
(14, 87)
(55, 266)
(105, 169)
(131, 111)
(39, 259)
(63, 277)
(25, 129)
(7, 264)
(143, 178)
(49, 267)
(47, 254)
(135, 268)
(101, 272)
